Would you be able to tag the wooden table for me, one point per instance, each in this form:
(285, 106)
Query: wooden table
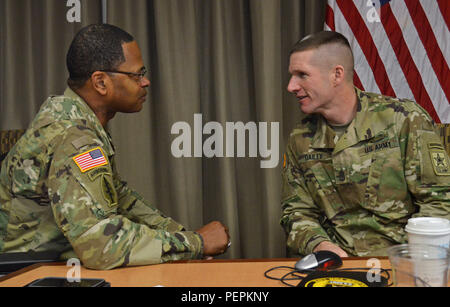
(194, 273)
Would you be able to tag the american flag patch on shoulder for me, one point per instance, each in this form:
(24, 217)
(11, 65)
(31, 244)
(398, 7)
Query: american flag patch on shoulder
(90, 159)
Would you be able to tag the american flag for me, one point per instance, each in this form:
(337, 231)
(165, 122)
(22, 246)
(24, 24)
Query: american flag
(90, 159)
(401, 48)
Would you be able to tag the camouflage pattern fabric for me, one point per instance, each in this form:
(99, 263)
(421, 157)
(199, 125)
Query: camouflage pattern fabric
(444, 132)
(359, 190)
(50, 201)
(7, 140)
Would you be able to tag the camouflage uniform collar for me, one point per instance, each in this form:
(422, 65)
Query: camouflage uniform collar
(365, 121)
(324, 137)
(92, 119)
(84, 106)
(364, 126)
(360, 129)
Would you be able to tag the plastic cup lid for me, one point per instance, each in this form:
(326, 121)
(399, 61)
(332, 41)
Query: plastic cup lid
(428, 226)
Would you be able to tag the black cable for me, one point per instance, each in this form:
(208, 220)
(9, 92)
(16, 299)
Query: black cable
(284, 277)
(295, 273)
(266, 273)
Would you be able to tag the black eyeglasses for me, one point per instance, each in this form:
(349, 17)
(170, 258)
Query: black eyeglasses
(136, 76)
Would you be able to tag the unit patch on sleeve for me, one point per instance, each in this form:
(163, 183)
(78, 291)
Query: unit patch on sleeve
(90, 159)
(439, 159)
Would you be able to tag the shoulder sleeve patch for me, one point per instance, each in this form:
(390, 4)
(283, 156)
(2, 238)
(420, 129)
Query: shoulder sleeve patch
(90, 159)
(440, 162)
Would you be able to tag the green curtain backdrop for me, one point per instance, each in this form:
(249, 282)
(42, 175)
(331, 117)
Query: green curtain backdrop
(225, 60)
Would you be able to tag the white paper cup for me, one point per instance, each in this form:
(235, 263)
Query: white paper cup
(429, 230)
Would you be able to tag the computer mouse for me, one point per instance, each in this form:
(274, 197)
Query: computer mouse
(321, 260)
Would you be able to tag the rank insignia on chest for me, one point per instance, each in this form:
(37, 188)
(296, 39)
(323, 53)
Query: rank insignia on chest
(90, 159)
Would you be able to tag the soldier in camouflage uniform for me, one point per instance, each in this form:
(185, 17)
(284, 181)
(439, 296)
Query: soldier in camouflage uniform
(59, 186)
(359, 164)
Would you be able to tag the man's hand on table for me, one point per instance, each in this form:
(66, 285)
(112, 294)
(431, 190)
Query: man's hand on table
(215, 239)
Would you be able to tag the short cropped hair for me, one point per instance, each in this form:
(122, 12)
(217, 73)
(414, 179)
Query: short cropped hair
(319, 39)
(95, 47)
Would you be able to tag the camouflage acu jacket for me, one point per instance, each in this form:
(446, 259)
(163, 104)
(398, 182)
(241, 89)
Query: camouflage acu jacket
(359, 190)
(60, 191)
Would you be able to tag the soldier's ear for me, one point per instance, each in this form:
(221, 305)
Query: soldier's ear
(339, 75)
(100, 82)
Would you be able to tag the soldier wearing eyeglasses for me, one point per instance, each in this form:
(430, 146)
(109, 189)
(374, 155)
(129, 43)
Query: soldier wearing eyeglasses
(59, 186)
